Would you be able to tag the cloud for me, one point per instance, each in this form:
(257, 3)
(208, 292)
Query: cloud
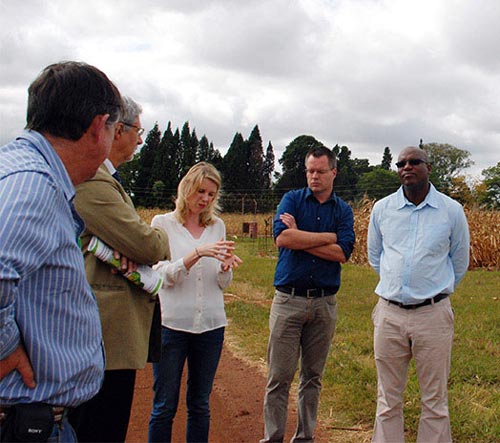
(365, 73)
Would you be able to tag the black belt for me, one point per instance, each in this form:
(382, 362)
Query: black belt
(308, 293)
(59, 413)
(427, 302)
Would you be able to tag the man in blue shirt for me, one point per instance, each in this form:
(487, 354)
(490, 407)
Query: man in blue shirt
(51, 352)
(314, 231)
(418, 243)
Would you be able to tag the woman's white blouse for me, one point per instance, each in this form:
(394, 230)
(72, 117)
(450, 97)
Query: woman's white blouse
(193, 300)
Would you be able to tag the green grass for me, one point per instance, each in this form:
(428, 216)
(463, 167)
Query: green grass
(349, 384)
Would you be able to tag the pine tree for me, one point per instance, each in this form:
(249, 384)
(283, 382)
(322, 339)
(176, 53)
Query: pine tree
(386, 159)
(255, 160)
(267, 171)
(234, 165)
(145, 165)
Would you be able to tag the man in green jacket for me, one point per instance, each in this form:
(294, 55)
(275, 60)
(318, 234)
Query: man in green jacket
(126, 311)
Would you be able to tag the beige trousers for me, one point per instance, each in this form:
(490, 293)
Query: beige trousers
(426, 334)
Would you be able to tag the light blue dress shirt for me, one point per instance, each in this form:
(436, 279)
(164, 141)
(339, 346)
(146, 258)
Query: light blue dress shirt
(418, 251)
(45, 300)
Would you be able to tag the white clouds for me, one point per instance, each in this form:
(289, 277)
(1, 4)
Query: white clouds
(366, 73)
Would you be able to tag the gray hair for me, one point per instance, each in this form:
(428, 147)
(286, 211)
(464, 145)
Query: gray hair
(130, 110)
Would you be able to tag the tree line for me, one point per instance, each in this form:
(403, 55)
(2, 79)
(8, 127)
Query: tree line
(251, 183)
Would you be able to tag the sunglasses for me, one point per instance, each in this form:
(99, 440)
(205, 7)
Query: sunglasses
(412, 162)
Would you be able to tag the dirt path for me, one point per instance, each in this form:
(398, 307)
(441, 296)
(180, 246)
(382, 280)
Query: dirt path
(236, 408)
(236, 405)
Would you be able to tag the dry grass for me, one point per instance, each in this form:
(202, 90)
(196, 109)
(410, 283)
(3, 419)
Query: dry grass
(484, 229)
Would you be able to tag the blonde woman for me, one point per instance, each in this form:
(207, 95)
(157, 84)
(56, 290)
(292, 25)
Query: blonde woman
(192, 303)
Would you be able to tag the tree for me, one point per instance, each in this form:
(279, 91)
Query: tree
(129, 172)
(268, 169)
(145, 164)
(234, 165)
(447, 162)
(293, 162)
(188, 147)
(461, 191)
(491, 196)
(378, 183)
(255, 160)
(348, 172)
(386, 159)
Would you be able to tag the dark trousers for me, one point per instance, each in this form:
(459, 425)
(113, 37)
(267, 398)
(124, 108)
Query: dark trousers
(105, 417)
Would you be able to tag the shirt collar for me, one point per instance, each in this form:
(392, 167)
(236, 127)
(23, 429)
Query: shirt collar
(109, 166)
(431, 198)
(332, 198)
(43, 146)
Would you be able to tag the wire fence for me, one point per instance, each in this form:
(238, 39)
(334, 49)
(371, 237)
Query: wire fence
(255, 226)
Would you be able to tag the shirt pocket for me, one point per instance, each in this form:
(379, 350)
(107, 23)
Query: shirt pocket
(436, 238)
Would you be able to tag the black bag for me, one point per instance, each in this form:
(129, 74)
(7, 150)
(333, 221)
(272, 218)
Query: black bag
(29, 422)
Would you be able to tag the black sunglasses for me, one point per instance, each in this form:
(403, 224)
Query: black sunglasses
(412, 162)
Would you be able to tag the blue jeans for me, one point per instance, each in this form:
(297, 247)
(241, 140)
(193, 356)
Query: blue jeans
(62, 433)
(202, 352)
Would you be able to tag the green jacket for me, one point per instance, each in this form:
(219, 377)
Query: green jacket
(126, 310)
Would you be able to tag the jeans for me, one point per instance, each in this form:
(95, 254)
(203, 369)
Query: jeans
(202, 352)
(301, 328)
(62, 433)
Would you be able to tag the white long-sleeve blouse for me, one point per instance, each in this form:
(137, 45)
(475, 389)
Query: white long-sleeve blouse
(191, 301)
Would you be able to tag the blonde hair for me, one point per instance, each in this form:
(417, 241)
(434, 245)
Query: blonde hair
(190, 184)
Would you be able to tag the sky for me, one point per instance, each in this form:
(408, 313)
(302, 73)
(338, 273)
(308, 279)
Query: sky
(362, 73)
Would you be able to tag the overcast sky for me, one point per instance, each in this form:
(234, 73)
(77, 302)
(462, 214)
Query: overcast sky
(361, 73)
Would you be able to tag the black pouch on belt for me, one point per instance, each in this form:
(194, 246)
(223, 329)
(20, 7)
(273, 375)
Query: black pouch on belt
(29, 422)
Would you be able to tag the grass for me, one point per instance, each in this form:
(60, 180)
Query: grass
(349, 385)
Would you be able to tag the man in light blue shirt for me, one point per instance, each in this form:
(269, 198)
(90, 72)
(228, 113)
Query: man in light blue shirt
(418, 243)
(51, 354)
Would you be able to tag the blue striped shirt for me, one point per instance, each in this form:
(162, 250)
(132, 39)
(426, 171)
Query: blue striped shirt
(45, 300)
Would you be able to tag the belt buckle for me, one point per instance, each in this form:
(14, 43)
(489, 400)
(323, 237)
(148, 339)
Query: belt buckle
(309, 293)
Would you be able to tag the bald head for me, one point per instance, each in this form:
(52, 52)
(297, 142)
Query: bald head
(414, 152)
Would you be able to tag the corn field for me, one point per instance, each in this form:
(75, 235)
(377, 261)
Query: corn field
(484, 232)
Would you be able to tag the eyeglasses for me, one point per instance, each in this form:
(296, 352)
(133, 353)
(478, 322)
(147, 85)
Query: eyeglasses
(412, 162)
(317, 171)
(139, 131)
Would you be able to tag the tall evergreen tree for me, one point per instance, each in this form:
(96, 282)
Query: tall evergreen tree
(255, 160)
(187, 149)
(234, 165)
(145, 165)
(207, 153)
(386, 159)
(267, 170)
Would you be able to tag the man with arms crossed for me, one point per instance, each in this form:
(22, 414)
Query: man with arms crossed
(418, 243)
(314, 231)
(51, 352)
(126, 310)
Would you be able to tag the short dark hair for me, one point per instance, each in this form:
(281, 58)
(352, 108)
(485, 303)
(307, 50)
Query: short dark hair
(65, 97)
(319, 151)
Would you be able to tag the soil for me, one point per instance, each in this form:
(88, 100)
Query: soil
(236, 406)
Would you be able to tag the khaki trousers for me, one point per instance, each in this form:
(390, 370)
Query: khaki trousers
(426, 334)
(299, 327)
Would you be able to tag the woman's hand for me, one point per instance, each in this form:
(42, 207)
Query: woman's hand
(232, 262)
(221, 250)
